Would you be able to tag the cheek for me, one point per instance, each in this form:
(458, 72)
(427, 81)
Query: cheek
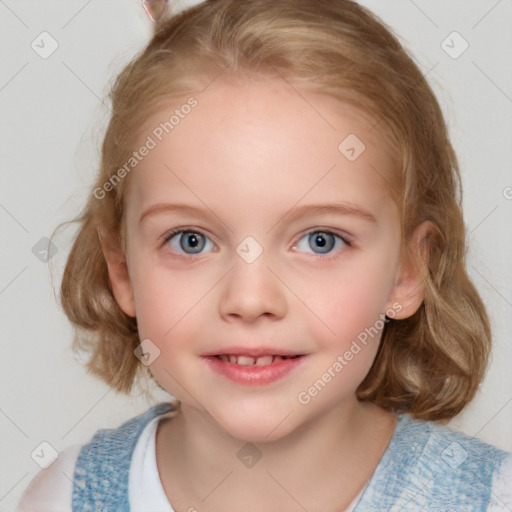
(164, 298)
(351, 309)
(167, 305)
(170, 308)
(350, 305)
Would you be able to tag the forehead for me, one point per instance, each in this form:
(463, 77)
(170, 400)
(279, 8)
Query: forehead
(264, 140)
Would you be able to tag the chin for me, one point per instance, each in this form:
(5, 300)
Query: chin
(251, 433)
(255, 425)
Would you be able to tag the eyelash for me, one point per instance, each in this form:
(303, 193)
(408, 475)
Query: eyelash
(325, 256)
(331, 255)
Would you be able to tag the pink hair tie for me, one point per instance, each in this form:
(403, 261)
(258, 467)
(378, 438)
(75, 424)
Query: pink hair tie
(155, 9)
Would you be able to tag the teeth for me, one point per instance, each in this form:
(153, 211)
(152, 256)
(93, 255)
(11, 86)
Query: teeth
(251, 361)
(263, 361)
(243, 360)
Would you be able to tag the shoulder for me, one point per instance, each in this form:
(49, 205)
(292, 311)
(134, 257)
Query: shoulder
(428, 466)
(51, 489)
(103, 467)
(113, 443)
(449, 464)
(459, 450)
(108, 454)
(501, 498)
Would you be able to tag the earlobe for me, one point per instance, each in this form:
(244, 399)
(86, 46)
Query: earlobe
(118, 275)
(409, 289)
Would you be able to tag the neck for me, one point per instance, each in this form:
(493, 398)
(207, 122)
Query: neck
(201, 466)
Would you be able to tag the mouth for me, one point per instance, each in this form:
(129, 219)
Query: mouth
(256, 368)
(246, 360)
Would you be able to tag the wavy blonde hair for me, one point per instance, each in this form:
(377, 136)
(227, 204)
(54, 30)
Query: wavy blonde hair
(430, 364)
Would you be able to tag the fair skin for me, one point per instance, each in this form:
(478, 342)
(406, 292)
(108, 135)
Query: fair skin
(247, 157)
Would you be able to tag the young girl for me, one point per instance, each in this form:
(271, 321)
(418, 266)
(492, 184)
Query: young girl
(275, 237)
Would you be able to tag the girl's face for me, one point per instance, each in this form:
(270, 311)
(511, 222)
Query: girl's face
(261, 225)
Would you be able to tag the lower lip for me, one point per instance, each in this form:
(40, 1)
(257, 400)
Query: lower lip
(253, 375)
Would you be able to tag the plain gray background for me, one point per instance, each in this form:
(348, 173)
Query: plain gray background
(53, 113)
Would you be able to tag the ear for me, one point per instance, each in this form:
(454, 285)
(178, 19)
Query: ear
(118, 274)
(409, 289)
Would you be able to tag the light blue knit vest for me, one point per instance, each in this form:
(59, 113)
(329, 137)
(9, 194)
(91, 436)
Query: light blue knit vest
(427, 468)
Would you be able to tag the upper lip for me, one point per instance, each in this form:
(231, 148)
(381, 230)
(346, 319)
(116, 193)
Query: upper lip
(252, 352)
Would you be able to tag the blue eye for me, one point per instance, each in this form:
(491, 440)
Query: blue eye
(188, 242)
(320, 242)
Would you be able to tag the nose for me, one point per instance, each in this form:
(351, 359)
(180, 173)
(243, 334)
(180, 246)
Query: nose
(252, 291)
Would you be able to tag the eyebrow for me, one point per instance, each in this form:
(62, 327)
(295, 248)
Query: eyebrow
(168, 207)
(331, 208)
(344, 209)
